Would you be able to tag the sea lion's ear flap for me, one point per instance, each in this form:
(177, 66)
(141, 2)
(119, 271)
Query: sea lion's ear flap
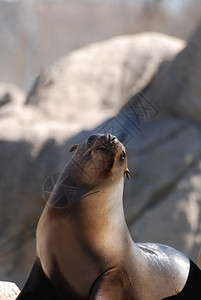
(127, 172)
(74, 148)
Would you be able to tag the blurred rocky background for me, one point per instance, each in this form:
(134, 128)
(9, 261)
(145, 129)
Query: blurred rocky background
(72, 68)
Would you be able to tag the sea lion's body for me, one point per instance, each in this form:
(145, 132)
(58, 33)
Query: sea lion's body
(84, 249)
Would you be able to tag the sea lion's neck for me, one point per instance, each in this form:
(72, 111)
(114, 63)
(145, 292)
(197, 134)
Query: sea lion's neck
(102, 208)
(103, 200)
(96, 216)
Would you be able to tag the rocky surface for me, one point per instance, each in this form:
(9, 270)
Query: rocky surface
(175, 220)
(10, 93)
(8, 290)
(181, 79)
(34, 34)
(68, 102)
(101, 76)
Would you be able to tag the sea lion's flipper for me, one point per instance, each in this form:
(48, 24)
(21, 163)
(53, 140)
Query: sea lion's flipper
(113, 284)
(37, 286)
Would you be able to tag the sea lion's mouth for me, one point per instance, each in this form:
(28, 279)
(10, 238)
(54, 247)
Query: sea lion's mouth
(105, 143)
(105, 150)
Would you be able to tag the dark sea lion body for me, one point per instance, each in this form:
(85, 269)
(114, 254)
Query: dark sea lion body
(84, 249)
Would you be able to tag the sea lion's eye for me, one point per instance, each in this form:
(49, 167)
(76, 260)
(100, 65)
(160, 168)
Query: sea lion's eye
(123, 155)
(91, 138)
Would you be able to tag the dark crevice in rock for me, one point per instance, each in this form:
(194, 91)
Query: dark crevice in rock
(6, 99)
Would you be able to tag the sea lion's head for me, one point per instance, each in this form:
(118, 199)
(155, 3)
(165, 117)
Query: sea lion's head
(101, 159)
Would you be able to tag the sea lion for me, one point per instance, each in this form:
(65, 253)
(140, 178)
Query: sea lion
(84, 249)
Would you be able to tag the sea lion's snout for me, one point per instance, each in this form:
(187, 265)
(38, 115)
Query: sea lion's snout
(111, 139)
(104, 143)
(107, 142)
(107, 139)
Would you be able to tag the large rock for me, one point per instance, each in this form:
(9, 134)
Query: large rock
(176, 89)
(34, 34)
(176, 219)
(101, 77)
(170, 213)
(158, 159)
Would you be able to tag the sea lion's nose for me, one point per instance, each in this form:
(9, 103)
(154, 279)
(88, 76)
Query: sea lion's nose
(111, 138)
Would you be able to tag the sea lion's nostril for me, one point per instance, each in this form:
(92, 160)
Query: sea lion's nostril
(112, 139)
